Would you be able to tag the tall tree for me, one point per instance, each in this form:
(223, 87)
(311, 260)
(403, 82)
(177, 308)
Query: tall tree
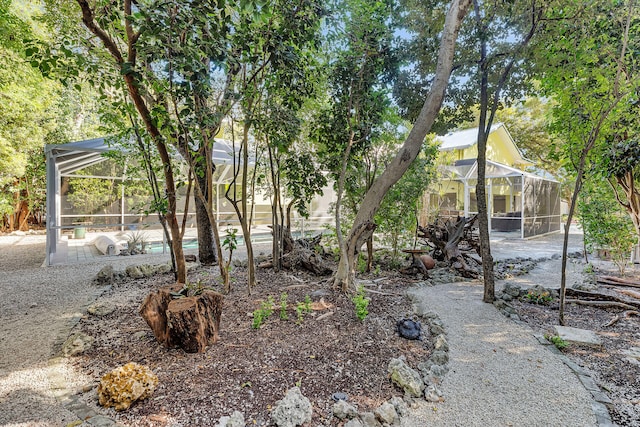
(589, 70)
(363, 225)
(491, 72)
(185, 65)
(358, 101)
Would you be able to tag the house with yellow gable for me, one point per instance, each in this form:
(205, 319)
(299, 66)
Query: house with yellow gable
(522, 200)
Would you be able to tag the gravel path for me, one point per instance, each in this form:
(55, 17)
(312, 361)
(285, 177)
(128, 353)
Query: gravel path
(37, 309)
(499, 374)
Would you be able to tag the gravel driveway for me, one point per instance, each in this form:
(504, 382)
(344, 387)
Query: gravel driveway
(37, 309)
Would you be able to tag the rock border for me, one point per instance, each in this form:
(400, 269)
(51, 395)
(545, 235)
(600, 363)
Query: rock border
(417, 384)
(600, 398)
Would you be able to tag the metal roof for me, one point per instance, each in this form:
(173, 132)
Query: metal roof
(78, 155)
(462, 139)
(468, 169)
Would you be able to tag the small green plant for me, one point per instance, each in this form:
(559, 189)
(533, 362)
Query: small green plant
(258, 319)
(262, 314)
(557, 341)
(230, 243)
(361, 303)
(589, 269)
(300, 312)
(283, 306)
(307, 304)
(538, 297)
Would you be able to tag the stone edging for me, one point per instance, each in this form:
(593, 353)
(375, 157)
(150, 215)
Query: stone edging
(600, 399)
(65, 396)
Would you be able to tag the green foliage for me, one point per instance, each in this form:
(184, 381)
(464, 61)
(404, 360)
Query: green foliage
(538, 297)
(300, 310)
(283, 306)
(230, 242)
(557, 341)
(262, 314)
(307, 304)
(397, 217)
(361, 303)
(604, 223)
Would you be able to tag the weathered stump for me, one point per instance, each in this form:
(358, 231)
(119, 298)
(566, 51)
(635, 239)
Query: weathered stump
(154, 311)
(191, 323)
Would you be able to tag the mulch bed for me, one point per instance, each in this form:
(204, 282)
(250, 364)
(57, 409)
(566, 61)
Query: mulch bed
(329, 350)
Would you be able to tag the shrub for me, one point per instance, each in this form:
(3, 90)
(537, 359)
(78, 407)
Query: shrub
(361, 303)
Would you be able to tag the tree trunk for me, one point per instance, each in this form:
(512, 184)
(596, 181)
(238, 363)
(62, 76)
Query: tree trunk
(206, 242)
(363, 225)
(190, 323)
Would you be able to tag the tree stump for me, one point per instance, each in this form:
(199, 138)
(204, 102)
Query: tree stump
(191, 323)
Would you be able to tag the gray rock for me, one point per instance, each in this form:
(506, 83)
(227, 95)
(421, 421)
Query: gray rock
(235, 420)
(162, 268)
(134, 272)
(405, 377)
(433, 394)
(434, 374)
(439, 358)
(320, 293)
(77, 343)
(499, 304)
(293, 410)
(436, 327)
(342, 410)
(512, 290)
(147, 270)
(441, 343)
(386, 413)
(105, 276)
(369, 420)
(354, 423)
(506, 297)
(400, 406)
(101, 309)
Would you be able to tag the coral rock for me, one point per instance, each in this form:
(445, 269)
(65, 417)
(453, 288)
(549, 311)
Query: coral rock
(125, 385)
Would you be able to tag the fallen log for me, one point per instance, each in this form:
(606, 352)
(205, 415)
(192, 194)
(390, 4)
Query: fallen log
(612, 280)
(447, 238)
(601, 304)
(629, 293)
(598, 296)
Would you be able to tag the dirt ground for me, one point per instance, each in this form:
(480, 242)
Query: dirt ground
(324, 351)
(617, 374)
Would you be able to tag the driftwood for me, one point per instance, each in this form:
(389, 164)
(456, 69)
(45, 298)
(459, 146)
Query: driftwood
(601, 304)
(447, 239)
(586, 296)
(624, 315)
(629, 293)
(617, 281)
(305, 253)
(188, 322)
